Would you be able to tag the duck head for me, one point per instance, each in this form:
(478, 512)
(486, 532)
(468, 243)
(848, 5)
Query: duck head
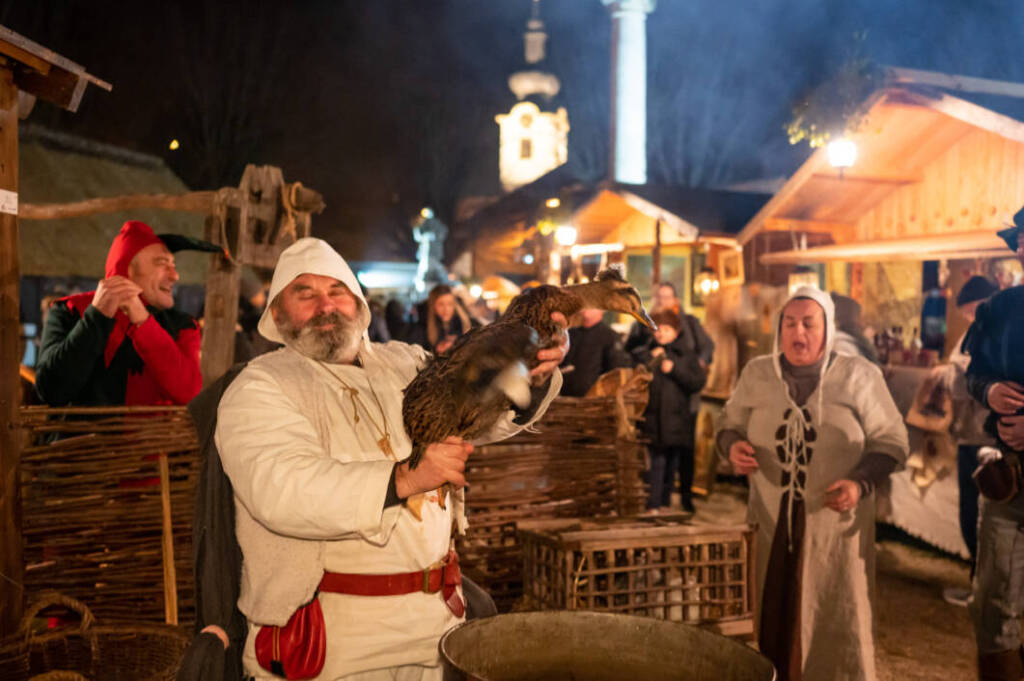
(610, 291)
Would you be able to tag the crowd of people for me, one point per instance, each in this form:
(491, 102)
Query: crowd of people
(304, 477)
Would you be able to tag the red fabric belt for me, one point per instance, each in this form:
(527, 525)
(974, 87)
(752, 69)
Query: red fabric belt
(428, 581)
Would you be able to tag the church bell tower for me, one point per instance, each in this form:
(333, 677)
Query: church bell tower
(534, 137)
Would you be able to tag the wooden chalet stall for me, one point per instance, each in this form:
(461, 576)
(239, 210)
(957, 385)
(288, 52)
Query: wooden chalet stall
(27, 71)
(936, 175)
(657, 233)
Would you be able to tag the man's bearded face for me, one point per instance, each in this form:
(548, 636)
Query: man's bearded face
(319, 317)
(328, 336)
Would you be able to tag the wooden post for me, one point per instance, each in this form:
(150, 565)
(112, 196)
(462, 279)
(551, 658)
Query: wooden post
(221, 310)
(167, 545)
(11, 566)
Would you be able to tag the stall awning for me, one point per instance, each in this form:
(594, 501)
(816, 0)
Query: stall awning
(937, 247)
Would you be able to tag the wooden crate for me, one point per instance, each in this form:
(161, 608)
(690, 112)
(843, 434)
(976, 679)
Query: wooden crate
(581, 461)
(666, 569)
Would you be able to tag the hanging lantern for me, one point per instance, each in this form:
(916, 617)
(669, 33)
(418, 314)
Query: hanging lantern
(842, 153)
(706, 281)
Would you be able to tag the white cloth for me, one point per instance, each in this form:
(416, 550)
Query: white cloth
(310, 482)
(850, 412)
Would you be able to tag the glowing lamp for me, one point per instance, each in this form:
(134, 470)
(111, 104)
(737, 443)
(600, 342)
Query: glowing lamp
(426, 213)
(706, 281)
(553, 203)
(842, 153)
(174, 145)
(528, 259)
(476, 290)
(565, 235)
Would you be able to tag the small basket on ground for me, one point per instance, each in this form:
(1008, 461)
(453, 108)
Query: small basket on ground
(699, 574)
(88, 651)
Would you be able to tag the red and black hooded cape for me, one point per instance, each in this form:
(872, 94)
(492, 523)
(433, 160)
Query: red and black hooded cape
(88, 359)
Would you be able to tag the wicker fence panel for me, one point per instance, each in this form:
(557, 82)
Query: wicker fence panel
(583, 460)
(93, 510)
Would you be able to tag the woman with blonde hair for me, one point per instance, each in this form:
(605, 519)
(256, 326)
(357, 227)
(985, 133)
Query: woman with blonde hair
(443, 321)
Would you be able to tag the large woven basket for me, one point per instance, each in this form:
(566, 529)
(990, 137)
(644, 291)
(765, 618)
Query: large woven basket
(88, 651)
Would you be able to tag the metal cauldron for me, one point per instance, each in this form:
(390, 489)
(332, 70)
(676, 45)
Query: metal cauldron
(592, 646)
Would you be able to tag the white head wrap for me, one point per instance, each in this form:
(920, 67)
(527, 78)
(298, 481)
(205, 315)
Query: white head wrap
(310, 256)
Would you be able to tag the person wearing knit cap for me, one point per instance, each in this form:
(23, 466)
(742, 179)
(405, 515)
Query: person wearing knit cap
(995, 378)
(124, 343)
(968, 425)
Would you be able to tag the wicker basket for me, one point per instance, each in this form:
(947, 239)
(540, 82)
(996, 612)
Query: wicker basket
(701, 575)
(89, 652)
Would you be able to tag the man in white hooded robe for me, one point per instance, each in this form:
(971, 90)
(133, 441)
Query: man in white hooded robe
(310, 437)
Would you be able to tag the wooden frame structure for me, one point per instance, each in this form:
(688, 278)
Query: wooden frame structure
(27, 71)
(935, 177)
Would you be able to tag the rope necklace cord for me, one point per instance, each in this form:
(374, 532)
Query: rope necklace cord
(385, 440)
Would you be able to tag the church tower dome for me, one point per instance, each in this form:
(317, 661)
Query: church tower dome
(534, 139)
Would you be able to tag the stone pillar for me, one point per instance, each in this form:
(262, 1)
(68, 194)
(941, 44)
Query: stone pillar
(628, 162)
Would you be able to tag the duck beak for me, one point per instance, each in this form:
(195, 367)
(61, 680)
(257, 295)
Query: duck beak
(642, 317)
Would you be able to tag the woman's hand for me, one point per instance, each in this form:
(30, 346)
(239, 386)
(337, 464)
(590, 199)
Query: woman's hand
(741, 456)
(842, 495)
(1006, 397)
(444, 345)
(666, 366)
(658, 351)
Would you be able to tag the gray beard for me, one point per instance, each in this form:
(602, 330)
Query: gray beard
(338, 345)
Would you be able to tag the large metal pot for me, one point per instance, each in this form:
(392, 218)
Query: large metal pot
(592, 646)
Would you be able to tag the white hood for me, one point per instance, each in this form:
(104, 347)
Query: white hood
(310, 256)
(825, 301)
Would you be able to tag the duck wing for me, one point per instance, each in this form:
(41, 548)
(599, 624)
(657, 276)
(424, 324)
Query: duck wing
(466, 390)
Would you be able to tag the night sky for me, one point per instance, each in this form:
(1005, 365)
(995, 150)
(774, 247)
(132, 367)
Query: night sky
(388, 105)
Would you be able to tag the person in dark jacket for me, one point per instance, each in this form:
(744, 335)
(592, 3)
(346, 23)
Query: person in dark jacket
(124, 343)
(594, 348)
(443, 321)
(995, 377)
(670, 417)
(665, 298)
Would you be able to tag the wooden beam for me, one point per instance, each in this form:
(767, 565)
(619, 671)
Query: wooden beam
(193, 202)
(841, 232)
(873, 178)
(948, 81)
(24, 57)
(936, 247)
(962, 110)
(61, 81)
(11, 565)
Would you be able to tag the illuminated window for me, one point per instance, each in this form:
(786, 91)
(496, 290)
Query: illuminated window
(525, 148)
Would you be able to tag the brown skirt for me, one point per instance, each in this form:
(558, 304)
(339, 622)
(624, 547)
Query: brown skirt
(779, 635)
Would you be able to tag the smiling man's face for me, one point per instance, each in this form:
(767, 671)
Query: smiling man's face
(153, 270)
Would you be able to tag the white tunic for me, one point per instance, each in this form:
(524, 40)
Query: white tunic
(310, 481)
(857, 415)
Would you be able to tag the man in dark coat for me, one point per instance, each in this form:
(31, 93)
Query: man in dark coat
(594, 349)
(124, 343)
(671, 416)
(995, 377)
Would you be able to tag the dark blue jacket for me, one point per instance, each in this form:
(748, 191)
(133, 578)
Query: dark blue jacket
(995, 343)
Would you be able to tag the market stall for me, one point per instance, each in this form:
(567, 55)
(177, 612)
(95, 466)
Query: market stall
(899, 225)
